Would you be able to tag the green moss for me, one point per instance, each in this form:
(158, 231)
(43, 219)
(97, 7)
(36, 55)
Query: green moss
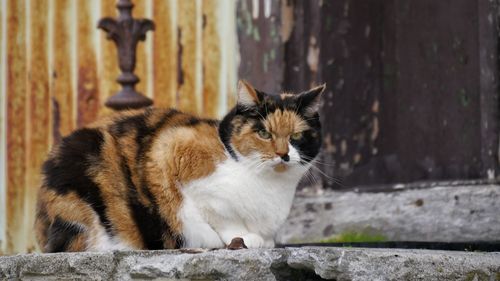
(353, 236)
(464, 97)
(477, 275)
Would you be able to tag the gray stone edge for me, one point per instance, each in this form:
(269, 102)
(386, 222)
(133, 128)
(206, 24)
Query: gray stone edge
(263, 264)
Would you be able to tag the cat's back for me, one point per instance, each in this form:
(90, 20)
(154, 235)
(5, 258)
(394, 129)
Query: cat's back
(96, 190)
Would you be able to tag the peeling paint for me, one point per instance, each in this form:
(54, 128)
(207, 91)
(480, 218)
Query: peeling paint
(287, 20)
(346, 9)
(376, 106)
(343, 147)
(328, 143)
(464, 97)
(313, 54)
(267, 8)
(375, 129)
(368, 30)
(357, 158)
(255, 9)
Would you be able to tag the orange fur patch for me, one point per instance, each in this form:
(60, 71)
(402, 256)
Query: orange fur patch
(281, 125)
(175, 162)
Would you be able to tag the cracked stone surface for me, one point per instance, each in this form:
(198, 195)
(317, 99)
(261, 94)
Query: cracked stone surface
(442, 213)
(308, 263)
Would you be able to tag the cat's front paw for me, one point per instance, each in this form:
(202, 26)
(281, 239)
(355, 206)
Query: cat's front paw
(253, 241)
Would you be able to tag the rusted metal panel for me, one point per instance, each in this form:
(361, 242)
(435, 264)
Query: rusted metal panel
(165, 53)
(189, 55)
(57, 69)
(62, 92)
(16, 124)
(38, 111)
(212, 59)
(88, 95)
(3, 127)
(229, 55)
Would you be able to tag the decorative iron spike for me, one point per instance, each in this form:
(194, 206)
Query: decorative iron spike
(126, 33)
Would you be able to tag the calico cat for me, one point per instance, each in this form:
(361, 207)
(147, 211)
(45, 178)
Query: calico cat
(160, 179)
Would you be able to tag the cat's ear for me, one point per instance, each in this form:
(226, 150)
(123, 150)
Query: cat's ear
(309, 101)
(247, 95)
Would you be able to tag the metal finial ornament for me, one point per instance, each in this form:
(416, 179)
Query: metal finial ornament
(126, 32)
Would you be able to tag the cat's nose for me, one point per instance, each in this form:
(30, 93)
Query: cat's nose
(284, 156)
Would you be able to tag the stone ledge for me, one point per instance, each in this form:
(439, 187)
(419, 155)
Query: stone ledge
(441, 213)
(311, 263)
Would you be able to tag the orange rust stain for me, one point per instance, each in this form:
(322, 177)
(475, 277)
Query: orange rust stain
(38, 110)
(189, 26)
(108, 65)
(211, 59)
(88, 95)
(60, 78)
(231, 92)
(164, 54)
(16, 123)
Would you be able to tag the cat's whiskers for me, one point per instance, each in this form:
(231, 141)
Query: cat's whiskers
(317, 161)
(314, 161)
(310, 177)
(254, 162)
(328, 177)
(259, 167)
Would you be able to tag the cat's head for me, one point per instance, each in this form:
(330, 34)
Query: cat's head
(276, 131)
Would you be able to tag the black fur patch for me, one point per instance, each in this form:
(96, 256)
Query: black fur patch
(69, 170)
(151, 226)
(60, 235)
(312, 141)
(226, 130)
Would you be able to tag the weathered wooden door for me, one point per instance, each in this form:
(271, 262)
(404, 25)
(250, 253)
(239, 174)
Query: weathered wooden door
(412, 86)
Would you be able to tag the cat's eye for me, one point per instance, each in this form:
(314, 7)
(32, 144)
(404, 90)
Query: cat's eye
(264, 134)
(297, 136)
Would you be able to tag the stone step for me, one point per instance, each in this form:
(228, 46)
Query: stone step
(308, 263)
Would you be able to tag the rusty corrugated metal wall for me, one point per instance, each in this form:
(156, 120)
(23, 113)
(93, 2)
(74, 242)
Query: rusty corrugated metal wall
(57, 70)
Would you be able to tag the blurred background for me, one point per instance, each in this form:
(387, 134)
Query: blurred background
(411, 100)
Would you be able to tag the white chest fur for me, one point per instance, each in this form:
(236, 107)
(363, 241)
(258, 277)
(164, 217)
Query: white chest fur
(238, 199)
